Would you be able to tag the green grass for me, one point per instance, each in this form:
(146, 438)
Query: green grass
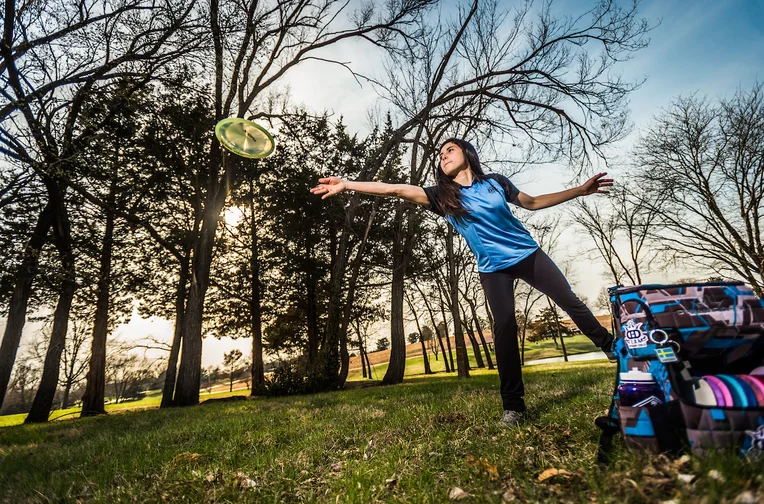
(152, 399)
(411, 442)
(533, 351)
(545, 348)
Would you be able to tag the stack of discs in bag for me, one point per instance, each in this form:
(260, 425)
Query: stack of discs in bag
(731, 391)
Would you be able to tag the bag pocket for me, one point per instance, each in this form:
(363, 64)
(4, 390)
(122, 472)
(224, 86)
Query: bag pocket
(715, 428)
(658, 429)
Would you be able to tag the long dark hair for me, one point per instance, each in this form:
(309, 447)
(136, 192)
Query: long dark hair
(450, 194)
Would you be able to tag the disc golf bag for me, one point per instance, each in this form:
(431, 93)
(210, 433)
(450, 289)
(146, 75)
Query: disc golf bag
(680, 334)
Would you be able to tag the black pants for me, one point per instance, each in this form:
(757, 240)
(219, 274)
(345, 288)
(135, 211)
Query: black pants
(540, 272)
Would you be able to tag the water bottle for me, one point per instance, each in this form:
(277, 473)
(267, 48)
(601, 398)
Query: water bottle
(639, 389)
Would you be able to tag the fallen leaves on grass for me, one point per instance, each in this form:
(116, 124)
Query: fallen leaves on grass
(243, 481)
(457, 493)
(508, 496)
(484, 466)
(369, 450)
(187, 458)
(686, 478)
(746, 497)
(552, 473)
(336, 467)
(214, 477)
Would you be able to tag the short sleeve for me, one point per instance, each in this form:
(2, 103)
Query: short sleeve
(510, 191)
(433, 196)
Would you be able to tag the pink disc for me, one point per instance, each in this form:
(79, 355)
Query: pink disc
(759, 380)
(723, 396)
(756, 386)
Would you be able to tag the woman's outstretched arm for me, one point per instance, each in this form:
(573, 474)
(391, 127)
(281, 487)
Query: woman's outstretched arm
(595, 185)
(329, 186)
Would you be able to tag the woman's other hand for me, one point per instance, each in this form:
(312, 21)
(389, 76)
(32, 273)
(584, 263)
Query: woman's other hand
(329, 186)
(596, 185)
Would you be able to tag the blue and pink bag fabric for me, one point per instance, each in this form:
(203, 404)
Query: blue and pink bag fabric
(703, 343)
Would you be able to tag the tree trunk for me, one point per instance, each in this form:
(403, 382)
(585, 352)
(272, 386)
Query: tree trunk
(368, 364)
(467, 324)
(397, 366)
(46, 392)
(450, 354)
(95, 388)
(168, 390)
(489, 315)
(355, 271)
(65, 400)
(443, 350)
(435, 327)
(255, 307)
(312, 315)
(17, 308)
(427, 369)
(189, 371)
(461, 350)
(559, 329)
(476, 321)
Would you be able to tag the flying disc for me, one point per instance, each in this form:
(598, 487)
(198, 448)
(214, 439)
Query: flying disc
(747, 390)
(723, 396)
(759, 371)
(739, 397)
(704, 394)
(756, 386)
(758, 379)
(244, 138)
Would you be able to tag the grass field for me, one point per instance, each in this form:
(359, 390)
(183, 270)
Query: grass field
(152, 400)
(533, 351)
(414, 367)
(413, 442)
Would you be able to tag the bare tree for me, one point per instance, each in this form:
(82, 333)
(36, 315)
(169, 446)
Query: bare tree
(415, 314)
(26, 374)
(128, 373)
(249, 59)
(230, 361)
(525, 80)
(52, 60)
(74, 358)
(621, 228)
(472, 292)
(706, 161)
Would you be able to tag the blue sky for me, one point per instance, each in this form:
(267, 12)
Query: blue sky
(707, 47)
(711, 48)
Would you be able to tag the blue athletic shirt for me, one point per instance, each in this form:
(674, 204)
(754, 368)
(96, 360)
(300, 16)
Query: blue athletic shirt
(492, 233)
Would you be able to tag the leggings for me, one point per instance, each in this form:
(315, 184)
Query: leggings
(540, 272)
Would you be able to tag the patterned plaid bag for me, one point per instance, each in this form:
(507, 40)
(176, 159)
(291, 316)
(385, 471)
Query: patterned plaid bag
(681, 334)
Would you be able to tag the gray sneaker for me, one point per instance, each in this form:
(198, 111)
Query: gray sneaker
(607, 349)
(511, 418)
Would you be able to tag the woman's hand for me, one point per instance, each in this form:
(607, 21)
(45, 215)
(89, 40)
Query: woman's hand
(329, 186)
(596, 185)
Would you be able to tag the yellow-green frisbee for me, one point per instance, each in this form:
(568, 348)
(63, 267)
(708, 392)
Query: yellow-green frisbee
(244, 138)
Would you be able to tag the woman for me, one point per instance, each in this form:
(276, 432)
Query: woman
(475, 203)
